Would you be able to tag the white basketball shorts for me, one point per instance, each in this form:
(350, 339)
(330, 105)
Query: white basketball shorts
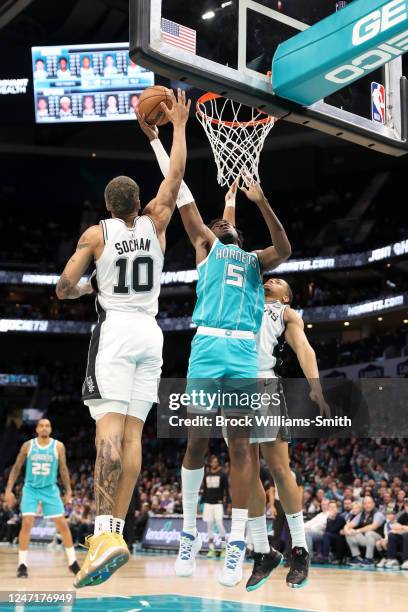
(124, 361)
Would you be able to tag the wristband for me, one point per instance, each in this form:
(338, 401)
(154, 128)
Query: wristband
(184, 195)
(231, 201)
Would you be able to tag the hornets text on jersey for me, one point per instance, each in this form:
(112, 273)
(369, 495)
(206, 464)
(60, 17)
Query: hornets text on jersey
(41, 464)
(230, 294)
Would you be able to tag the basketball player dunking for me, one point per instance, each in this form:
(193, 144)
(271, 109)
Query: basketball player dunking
(125, 353)
(43, 457)
(228, 315)
(279, 319)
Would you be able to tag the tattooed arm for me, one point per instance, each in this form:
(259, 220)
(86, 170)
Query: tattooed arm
(9, 497)
(64, 473)
(89, 247)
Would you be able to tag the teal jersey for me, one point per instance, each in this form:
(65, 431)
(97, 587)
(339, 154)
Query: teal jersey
(42, 464)
(230, 293)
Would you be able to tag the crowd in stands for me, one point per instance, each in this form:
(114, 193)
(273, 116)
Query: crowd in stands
(355, 499)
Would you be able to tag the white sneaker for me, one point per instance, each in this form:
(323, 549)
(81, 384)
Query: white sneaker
(231, 573)
(190, 546)
(404, 566)
(382, 563)
(392, 564)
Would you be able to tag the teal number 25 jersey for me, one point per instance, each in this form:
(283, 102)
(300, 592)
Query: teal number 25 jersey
(42, 464)
(230, 293)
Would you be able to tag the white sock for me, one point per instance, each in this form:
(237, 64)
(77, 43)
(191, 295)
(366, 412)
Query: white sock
(259, 534)
(103, 523)
(190, 483)
(118, 525)
(71, 555)
(22, 557)
(297, 529)
(239, 517)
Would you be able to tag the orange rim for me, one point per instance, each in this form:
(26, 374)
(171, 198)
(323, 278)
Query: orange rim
(213, 96)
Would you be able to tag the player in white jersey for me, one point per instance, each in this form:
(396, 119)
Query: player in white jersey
(279, 320)
(44, 458)
(125, 353)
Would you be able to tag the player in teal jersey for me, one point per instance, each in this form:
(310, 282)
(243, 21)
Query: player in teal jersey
(228, 314)
(44, 457)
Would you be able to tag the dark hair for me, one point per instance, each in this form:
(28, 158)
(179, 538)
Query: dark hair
(122, 195)
(240, 234)
(63, 59)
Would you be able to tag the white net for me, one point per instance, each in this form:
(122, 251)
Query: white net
(237, 134)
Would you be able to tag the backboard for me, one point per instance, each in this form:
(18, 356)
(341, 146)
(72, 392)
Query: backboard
(227, 46)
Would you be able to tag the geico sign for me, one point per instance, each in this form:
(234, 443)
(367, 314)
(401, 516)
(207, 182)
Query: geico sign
(379, 21)
(370, 60)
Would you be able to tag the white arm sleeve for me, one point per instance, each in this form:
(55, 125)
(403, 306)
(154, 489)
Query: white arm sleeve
(184, 195)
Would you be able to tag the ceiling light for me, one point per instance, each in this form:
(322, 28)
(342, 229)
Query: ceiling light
(346, 323)
(309, 326)
(224, 4)
(208, 15)
(380, 319)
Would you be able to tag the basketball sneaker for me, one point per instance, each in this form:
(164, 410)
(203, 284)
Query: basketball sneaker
(299, 568)
(107, 552)
(231, 573)
(264, 564)
(190, 546)
(22, 571)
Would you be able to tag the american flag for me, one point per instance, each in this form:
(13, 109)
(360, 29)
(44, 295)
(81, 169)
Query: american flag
(178, 35)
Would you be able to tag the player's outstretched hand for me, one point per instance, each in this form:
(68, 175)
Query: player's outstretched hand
(10, 499)
(253, 191)
(151, 131)
(179, 112)
(232, 193)
(317, 398)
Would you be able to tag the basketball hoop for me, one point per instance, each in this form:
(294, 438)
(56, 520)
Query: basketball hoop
(237, 134)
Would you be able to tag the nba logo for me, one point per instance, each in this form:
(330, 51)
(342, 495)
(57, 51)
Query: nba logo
(340, 5)
(378, 103)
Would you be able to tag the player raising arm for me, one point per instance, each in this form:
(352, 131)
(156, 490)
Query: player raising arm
(228, 314)
(279, 319)
(125, 353)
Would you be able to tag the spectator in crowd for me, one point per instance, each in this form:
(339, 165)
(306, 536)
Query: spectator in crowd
(316, 527)
(364, 530)
(332, 538)
(167, 502)
(382, 545)
(400, 503)
(398, 541)
(347, 509)
(75, 522)
(141, 521)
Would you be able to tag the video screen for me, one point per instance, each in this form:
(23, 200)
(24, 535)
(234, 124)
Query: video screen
(79, 83)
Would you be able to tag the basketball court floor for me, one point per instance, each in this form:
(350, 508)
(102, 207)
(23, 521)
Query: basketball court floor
(148, 582)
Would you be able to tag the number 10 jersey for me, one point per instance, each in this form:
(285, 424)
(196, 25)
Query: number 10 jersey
(128, 272)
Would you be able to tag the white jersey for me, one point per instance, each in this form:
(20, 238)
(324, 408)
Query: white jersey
(272, 328)
(129, 270)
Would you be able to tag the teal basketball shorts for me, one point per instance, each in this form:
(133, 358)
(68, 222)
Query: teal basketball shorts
(222, 363)
(49, 497)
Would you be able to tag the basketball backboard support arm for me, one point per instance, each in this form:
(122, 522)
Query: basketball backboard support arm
(245, 85)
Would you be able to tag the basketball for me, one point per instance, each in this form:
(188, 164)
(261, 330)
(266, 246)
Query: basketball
(149, 104)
